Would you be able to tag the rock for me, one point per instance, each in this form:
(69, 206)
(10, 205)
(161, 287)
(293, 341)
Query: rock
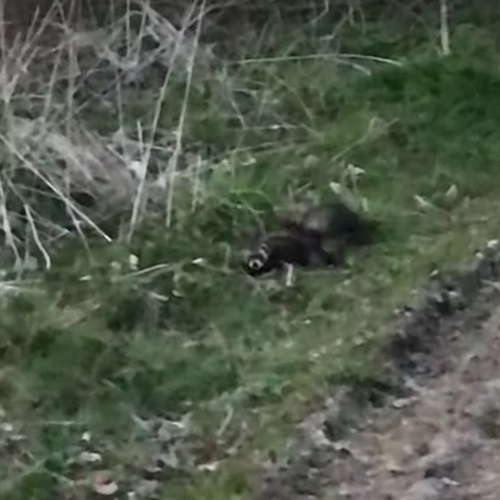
(404, 402)
(446, 452)
(426, 489)
(484, 410)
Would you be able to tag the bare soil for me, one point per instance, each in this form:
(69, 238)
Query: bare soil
(437, 436)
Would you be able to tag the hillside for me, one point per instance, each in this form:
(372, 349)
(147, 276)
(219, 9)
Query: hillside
(139, 158)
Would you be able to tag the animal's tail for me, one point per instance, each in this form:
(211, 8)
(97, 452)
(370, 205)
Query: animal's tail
(369, 232)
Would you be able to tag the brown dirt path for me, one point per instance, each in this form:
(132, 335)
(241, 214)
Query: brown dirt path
(441, 439)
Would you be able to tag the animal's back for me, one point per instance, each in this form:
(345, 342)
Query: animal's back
(289, 247)
(321, 235)
(336, 220)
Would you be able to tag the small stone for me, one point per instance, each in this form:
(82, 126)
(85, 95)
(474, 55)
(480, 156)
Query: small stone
(395, 469)
(7, 427)
(403, 402)
(144, 490)
(485, 409)
(103, 484)
(426, 489)
(446, 452)
(86, 437)
(87, 457)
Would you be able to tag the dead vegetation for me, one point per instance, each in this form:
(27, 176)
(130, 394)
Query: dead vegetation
(57, 173)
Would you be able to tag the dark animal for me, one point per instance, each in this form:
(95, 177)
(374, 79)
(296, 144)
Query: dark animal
(304, 241)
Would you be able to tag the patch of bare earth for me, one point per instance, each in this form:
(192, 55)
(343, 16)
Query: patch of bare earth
(441, 440)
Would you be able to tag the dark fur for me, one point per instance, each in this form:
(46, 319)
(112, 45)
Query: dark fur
(335, 221)
(301, 242)
(292, 247)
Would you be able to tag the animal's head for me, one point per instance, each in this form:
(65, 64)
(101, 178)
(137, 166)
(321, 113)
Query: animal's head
(257, 262)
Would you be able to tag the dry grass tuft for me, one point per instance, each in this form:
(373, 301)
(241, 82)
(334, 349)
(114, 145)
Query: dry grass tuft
(56, 174)
(93, 181)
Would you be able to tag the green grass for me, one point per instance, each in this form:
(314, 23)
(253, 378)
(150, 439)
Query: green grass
(180, 335)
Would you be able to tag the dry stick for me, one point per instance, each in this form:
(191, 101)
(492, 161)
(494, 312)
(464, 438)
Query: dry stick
(368, 135)
(445, 33)
(22, 58)
(4, 216)
(72, 64)
(38, 242)
(196, 184)
(142, 182)
(72, 70)
(289, 275)
(182, 119)
(161, 99)
(306, 57)
(146, 150)
(48, 104)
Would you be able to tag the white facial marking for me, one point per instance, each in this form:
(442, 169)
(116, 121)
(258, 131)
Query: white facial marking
(255, 263)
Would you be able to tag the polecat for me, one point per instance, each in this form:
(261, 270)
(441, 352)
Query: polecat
(303, 241)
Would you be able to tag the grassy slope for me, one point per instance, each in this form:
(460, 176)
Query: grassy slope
(85, 355)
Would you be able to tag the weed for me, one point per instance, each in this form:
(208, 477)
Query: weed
(135, 185)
